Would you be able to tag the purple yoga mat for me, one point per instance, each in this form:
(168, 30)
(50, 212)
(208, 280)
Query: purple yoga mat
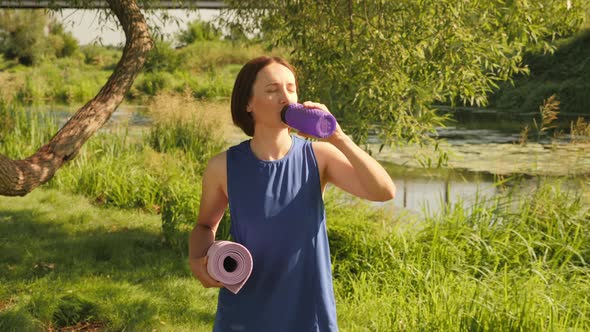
(229, 263)
(312, 121)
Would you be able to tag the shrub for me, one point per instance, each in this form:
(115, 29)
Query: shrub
(155, 82)
(63, 42)
(184, 129)
(198, 31)
(162, 58)
(97, 55)
(22, 35)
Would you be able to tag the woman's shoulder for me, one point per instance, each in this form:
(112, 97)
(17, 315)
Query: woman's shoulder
(322, 149)
(216, 166)
(219, 158)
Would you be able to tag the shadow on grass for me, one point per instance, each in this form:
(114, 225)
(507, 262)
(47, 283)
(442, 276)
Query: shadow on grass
(31, 243)
(127, 277)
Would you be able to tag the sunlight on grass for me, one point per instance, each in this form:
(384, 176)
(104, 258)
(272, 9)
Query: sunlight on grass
(506, 264)
(166, 108)
(87, 264)
(493, 266)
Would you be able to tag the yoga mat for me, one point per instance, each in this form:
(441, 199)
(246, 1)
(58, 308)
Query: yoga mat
(229, 263)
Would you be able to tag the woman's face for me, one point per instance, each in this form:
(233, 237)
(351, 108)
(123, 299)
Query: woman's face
(273, 89)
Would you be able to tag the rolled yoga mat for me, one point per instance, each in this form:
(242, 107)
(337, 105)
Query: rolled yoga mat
(229, 263)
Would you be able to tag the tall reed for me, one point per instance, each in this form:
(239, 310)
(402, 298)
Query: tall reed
(23, 131)
(493, 266)
(194, 131)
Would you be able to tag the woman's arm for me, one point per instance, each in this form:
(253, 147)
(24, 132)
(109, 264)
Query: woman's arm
(212, 206)
(350, 168)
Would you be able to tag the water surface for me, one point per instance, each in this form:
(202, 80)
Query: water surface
(484, 148)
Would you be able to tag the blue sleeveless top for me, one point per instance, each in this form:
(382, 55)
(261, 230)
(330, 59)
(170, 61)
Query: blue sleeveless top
(277, 212)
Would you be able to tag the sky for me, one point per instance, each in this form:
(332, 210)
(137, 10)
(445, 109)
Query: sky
(85, 24)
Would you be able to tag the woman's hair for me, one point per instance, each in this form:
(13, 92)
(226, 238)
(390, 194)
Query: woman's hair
(242, 91)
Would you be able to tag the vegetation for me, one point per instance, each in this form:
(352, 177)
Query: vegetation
(198, 31)
(493, 266)
(22, 37)
(510, 263)
(381, 66)
(562, 73)
(207, 69)
(35, 69)
(103, 245)
(157, 170)
(87, 266)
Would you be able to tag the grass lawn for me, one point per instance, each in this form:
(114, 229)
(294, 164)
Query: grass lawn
(64, 262)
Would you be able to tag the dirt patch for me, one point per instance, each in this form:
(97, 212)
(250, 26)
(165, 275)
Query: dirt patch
(80, 327)
(5, 304)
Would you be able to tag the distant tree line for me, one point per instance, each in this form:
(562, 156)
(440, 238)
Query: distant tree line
(31, 36)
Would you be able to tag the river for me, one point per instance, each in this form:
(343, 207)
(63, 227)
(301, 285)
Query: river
(484, 148)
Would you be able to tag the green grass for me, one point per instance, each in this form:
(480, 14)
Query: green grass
(496, 266)
(499, 265)
(21, 132)
(207, 69)
(65, 261)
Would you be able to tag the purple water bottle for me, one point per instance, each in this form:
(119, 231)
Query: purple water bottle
(311, 121)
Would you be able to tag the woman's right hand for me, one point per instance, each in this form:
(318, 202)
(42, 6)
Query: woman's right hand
(199, 267)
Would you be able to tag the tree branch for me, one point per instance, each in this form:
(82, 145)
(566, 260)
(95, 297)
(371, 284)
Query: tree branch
(19, 177)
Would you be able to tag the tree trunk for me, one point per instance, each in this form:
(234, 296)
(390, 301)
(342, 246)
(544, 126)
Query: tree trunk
(20, 177)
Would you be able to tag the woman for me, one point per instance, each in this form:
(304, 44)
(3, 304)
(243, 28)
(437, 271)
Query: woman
(274, 184)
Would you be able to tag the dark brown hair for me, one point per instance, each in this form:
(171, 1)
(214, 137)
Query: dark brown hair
(242, 91)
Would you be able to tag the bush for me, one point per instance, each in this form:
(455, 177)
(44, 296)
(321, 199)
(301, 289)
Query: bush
(113, 172)
(212, 55)
(180, 208)
(154, 83)
(162, 58)
(561, 73)
(99, 56)
(211, 88)
(22, 35)
(195, 140)
(198, 31)
(63, 42)
(192, 135)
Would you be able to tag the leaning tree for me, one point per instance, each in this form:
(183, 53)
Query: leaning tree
(20, 177)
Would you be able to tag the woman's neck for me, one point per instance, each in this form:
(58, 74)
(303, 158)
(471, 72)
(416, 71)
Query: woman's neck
(271, 145)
